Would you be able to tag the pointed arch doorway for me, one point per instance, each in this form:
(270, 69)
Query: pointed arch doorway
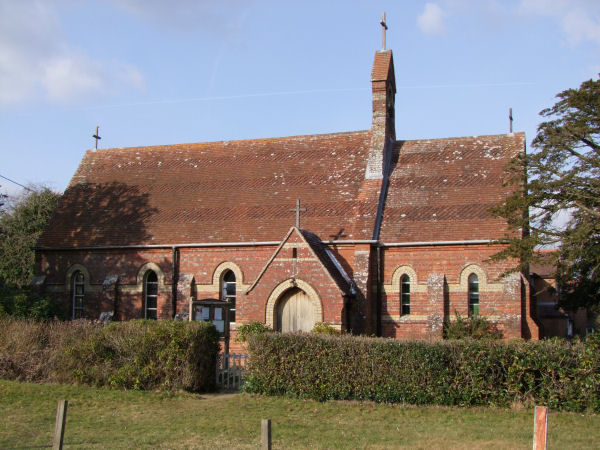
(294, 311)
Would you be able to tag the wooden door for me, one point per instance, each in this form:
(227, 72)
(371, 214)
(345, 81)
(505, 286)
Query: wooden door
(295, 312)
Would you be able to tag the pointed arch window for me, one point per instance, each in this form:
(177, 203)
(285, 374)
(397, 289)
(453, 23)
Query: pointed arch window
(77, 293)
(228, 292)
(405, 294)
(150, 295)
(473, 295)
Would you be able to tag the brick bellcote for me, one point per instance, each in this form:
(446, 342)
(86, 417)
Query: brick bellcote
(383, 131)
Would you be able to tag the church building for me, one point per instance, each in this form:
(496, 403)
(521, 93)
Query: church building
(365, 231)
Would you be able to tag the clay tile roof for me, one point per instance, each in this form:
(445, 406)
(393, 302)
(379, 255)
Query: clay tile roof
(546, 266)
(381, 65)
(329, 262)
(237, 191)
(442, 189)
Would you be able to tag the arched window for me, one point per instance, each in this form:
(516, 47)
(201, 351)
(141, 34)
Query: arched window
(77, 293)
(473, 295)
(228, 292)
(150, 294)
(405, 294)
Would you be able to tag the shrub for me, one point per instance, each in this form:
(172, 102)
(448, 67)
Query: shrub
(324, 328)
(474, 327)
(29, 350)
(248, 329)
(467, 373)
(23, 303)
(138, 354)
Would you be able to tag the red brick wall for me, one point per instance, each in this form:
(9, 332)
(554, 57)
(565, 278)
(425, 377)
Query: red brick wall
(199, 262)
(99, 264)
(500, 300)
(438, 272)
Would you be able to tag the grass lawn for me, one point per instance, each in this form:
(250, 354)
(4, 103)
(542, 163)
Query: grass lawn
(99, 418)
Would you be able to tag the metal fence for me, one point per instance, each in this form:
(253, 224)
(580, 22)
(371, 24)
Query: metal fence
(230, 370)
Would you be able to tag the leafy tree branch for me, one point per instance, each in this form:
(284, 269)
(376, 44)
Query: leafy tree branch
(558, 202)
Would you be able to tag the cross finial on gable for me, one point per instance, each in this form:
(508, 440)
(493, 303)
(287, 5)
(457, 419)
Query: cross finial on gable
(298, 210)
(383, 28)
(96, 136)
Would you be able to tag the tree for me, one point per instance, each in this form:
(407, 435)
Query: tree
(2, 200)
(556, 203)
(21, 224)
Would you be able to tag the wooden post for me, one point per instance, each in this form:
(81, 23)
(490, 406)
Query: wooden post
(59, 427)
(540, 428)
(265, 434)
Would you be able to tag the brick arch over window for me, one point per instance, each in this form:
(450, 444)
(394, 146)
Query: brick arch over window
(288, 284)
(77, 285)
(69, 277)
(481, 275)
(156, 269)
(405, 270)
(224, 267)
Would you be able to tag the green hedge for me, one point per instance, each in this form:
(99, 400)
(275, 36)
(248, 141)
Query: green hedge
(22, 303)
(138, 354)
(557, 374)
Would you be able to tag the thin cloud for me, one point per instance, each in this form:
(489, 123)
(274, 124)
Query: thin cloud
(431, 20)
(214, 17)
(579, 20)
(38, 62)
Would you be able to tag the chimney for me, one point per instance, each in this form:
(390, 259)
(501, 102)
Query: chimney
(383, 131)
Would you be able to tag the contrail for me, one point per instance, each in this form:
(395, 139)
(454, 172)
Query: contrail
(438, 86)
(226, 97)
(308, 91)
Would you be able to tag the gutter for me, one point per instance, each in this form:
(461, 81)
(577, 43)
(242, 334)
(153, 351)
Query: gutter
(150, 246)
(356, 241)
(194, 245)
(430, 243)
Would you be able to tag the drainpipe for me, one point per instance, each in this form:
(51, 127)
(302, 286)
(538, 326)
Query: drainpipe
(174, 279)
(379, 281)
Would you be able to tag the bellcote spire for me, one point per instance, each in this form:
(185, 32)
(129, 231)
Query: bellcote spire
(383, 130)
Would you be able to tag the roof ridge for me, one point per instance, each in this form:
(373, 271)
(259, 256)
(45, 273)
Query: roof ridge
(235, 141)
(481, 136)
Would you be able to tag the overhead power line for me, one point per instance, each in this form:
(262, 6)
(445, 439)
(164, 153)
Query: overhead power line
(14, 182)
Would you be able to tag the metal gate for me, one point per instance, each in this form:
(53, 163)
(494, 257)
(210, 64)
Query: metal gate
(230, 370)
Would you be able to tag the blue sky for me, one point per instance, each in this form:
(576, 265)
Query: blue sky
(152, 72)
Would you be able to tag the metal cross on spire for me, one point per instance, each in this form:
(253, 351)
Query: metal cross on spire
(298, 210)
(383, 28)
(96, 137)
